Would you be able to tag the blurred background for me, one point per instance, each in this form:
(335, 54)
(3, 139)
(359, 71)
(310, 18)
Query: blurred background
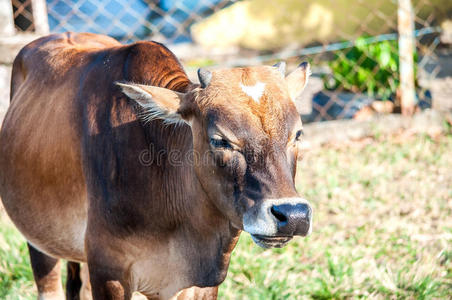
(355, 46)
(378, 171)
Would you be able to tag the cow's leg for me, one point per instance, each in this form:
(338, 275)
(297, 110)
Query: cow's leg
(74, 282)
(106, 283)
(85, 291)
(47, 274)
(107, 269)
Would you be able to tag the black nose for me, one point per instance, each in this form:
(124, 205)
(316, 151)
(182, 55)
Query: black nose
(292, 219)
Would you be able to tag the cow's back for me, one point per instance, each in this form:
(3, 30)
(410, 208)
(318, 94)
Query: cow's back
(52, 115)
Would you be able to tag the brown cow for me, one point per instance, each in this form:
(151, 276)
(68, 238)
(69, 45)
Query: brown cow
(151, 189)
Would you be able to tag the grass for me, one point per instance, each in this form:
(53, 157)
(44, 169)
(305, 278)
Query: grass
(16, 278)
(382, 229)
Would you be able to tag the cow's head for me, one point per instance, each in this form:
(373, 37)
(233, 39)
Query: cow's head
(246, 136)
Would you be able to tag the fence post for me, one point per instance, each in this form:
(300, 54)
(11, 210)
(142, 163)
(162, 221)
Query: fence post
(406, 52)
(40, 19)
(6, 18)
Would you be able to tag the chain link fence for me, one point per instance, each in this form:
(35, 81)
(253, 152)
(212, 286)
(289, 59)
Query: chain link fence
(356, 65)
(165, 20)
(22, 14)
(357, 74)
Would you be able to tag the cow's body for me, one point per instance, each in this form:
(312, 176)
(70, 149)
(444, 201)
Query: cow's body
(66, 110)
(74, 176)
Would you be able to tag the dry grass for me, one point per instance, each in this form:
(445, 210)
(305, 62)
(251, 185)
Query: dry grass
(382, 229)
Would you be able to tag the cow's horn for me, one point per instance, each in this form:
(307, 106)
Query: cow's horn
(204, 77)
(281, 66)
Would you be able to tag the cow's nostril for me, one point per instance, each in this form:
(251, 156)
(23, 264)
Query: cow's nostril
(278, 215)
(292, 218)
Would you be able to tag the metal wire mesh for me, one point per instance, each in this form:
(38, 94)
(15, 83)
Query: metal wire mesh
(356, 73)
(166, 21)
(362, 78)
(434, 63)
(23, 16)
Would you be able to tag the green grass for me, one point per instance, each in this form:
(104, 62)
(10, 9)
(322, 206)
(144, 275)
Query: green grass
(382, 229)
(16, 278)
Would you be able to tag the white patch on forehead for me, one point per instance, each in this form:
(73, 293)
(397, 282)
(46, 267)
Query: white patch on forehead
(254, 91)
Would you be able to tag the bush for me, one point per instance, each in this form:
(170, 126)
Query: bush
(370, 68)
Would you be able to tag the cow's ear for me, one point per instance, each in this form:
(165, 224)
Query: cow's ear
(297, 80)
(156, 102)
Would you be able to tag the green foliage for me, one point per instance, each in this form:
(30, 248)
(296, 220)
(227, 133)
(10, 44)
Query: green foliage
(16, 278)
(370, 68)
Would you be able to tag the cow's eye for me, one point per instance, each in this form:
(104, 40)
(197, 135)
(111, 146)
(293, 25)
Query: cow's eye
(220, 143)
(298, 135)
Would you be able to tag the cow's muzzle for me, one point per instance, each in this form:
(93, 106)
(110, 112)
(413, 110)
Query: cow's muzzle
(276, 221)
(292, 219)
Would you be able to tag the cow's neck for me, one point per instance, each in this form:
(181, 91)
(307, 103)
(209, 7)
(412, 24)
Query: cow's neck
(204, 236)
(207, 236)
(212, 238)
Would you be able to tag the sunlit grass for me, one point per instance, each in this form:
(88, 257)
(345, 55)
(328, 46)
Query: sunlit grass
(16, 278)
(382, 229)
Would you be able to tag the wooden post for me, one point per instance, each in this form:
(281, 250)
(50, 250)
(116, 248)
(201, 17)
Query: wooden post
(406, 52)
(6, 18)
(40, 19)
